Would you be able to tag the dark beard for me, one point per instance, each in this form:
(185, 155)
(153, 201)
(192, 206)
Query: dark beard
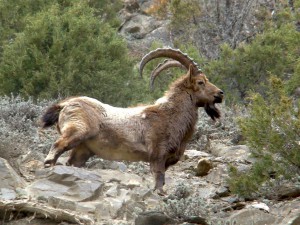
(212, 111)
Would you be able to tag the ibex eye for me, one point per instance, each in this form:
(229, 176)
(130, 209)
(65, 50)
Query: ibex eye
(200, 82)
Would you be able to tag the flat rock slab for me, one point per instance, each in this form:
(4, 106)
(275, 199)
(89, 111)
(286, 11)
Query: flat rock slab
(252, 216)
(238, 152)
(10, 181)
(78, 184)
(151, 218)
(8, 177)
(69, 183)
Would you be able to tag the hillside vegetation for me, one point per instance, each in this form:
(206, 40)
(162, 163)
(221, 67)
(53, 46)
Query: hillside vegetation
(65, 48)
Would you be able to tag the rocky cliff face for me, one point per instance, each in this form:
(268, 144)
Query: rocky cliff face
(140, 29)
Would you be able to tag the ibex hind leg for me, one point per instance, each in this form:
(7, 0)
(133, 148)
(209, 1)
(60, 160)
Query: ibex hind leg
(79, 156)
(70, 138)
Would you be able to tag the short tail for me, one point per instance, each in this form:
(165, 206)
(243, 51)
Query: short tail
(50, 117)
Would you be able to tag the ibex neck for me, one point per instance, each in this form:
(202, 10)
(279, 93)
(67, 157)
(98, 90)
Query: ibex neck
(180, 99)
(180, 106)
(182, 116)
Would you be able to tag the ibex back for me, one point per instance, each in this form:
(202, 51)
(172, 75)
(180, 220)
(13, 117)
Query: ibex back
(156, 133)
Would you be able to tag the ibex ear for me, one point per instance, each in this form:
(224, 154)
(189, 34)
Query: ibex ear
(191, 73)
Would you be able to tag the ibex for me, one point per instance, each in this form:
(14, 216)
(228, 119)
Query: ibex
(156, 133)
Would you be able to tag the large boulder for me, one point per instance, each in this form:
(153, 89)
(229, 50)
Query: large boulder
(11, 183)
(203, 167)
(107, 194)
(237, 152)
(139, 26)
(69, 183)
(153, 217)
(141, 29)
(252, 216)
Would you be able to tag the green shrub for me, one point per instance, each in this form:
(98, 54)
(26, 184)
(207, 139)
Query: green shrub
(248, 66)
(19, 134)
(65, 50)
(12, 16)
(294, 81)
(272, 132)
(13, 13)
(183, 205)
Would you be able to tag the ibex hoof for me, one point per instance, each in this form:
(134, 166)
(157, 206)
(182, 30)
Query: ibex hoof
(160, 191)
(49, 163)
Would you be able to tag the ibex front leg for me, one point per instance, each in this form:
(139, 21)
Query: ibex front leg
(158, 169)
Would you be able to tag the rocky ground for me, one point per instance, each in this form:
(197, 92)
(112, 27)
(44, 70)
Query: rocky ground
(107, 192)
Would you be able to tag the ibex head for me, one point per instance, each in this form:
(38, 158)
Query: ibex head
(202, 92)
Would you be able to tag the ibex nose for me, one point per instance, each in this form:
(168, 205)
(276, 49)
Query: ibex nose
(221, 92)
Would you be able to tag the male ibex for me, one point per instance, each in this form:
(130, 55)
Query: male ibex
(156, 133)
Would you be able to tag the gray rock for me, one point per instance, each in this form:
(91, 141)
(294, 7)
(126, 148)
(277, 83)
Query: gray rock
(62, 203)
(153, 217)
(289, 211)
(7, 194)
(133, 208)
(297, 95)
(295, 220)
(191, 154)
(131, 5)
(145, 5)
(223, 191)
(123, 179)
(122, 166)
(66, 183)
(252, 216)
(10, 181)
(109, 208)
(203, 167)
(218, 175)
(140, 29)
(113, 191)
(259, 205)
(196, 220)
(81, 190)
(287, 190)
(206, 192)
(9, 178)
(237, 152)
(231, 199)
(139, 26)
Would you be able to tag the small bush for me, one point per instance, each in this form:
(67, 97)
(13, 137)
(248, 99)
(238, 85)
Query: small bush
(69, 48)
(248, 67)
(272, 132)
(19, 133)
(183, 204)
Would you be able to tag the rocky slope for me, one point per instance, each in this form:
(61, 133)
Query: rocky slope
(107, 192)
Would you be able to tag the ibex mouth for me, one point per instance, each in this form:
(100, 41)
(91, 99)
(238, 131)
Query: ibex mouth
(212, 111)
(218, 99)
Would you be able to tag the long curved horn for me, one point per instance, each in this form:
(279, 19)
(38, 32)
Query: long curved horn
(175, 54)
(163, 66)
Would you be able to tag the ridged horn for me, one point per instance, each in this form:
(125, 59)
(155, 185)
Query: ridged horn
(166, 64)
(175, 54)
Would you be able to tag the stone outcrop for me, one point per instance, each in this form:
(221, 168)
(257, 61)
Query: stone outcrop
(121, 194)
(141, 29)
(11, 183)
